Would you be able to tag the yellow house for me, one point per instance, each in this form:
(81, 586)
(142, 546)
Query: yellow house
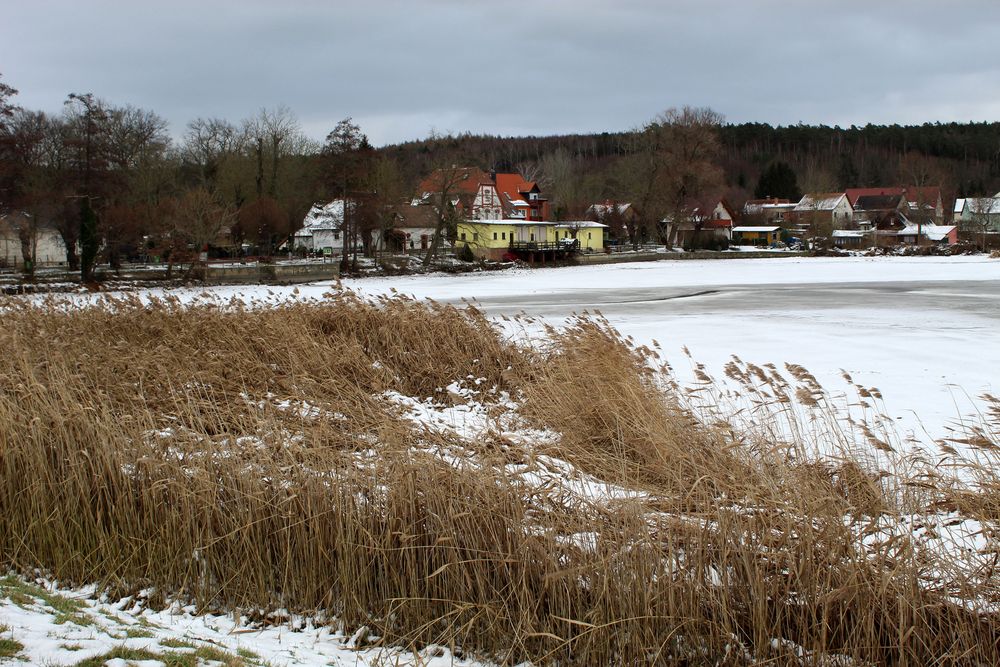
(532, 239)
(492, 239)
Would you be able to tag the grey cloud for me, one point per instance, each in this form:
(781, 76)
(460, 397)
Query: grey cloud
(400, 68)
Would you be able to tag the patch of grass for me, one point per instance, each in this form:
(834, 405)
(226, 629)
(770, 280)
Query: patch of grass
(120, 653)
(174, 659)
(170, 642)
(138, 633)
(10, 648)
(218, 655)
(25, 594)
(247, 654)
(71, 647)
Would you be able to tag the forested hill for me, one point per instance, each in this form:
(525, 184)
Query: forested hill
(963, 158)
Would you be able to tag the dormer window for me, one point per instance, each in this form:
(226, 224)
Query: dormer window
(533, 196)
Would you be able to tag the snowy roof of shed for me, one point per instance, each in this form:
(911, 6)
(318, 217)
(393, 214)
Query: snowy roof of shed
(932, 232)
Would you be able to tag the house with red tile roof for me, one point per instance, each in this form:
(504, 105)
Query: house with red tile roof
(469, 189)
(521, 199)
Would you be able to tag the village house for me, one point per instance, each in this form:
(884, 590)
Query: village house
(768, 212)
(977, 213)
(321, 230)
(496, 239)
(978, 220)
(413, 228)
(925, 200)
(818, 214)
(880, 217)
(714, 219)
(521, 199)
(472, 192)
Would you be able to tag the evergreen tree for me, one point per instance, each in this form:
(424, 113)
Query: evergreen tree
(778, 180)
(847, 174)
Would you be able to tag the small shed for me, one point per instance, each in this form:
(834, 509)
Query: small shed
(754, 235)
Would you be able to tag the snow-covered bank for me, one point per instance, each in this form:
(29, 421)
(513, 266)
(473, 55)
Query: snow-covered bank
(127, 632)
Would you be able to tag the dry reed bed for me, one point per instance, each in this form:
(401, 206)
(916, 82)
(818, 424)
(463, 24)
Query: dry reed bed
(247, 458)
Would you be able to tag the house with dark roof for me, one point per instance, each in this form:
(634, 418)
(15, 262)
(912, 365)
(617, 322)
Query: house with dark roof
(880, 211)
(919, 199)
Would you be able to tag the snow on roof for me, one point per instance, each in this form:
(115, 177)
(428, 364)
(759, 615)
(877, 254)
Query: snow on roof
(579, 224)
(959, 205)
(823, 201)
(983, 205)
(325, 216)
(931, 232)
(848, 234)
(756, 229)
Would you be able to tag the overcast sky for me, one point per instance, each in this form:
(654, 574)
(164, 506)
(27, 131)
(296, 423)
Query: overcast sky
(401, 68)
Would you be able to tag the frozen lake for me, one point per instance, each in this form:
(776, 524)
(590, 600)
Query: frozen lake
(924, 331)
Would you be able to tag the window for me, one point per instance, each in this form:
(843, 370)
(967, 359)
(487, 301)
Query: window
(588, 235)
(336, 236)
(532, 236)
(475, 236)
(463, 236)
(503, 236)
(494, 236)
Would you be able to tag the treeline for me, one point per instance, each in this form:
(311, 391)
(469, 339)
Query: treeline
(962, 158)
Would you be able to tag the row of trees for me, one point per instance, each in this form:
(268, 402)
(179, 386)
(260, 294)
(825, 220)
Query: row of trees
(114, 184)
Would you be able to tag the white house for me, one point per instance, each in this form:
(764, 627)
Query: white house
(322, 229)
(826, 207)
(49, 249)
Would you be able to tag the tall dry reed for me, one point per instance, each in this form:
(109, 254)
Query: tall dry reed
(248, 459)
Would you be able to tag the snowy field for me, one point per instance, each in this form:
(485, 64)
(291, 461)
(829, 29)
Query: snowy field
(924, 331)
